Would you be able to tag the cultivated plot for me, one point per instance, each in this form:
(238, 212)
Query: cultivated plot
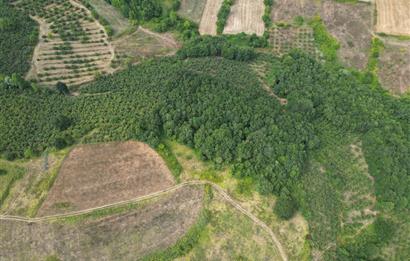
(73, 48)
(287, 10)
(246, 16)
(393, 17)
(100, 174)
(119, 233)
(210, 17)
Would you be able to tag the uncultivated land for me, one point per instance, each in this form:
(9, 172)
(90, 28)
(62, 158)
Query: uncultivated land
(393, 17)
(192, 9)
(141, 44)
(116, 20)
(123, 235)
(100, 174)
(210, 17)
(246, 16)
(394, 66)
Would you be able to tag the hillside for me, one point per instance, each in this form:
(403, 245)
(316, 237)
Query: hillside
(204, 130)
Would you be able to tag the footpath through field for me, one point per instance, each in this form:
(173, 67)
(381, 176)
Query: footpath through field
(217, 188)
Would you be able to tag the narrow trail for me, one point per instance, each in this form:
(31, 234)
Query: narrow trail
(217, 188)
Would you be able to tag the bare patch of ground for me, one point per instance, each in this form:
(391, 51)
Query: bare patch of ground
(192, 9)
(100, 174)
(147, 227)
(142, 44)
(393, 17)
(246, 16)
(116, 20)
(210, 17)
(394, 66)
(287, 10)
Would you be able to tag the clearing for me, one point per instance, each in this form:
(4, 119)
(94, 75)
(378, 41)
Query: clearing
(116, 20)
(209, 17)
(192, 9)
(141, 44)
(246, 16)
(393, 17)
(100, 174)
(119, 233)
(73, 47)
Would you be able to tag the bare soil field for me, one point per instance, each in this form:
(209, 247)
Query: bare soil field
(125, 235)
(286, 10)
(394, 66)
(246, 16)
(393, 17)
(73, 47)
(117, 21)
(100, 174)
(210, 17)
(192, 9)
(141, 44)
(350, 24)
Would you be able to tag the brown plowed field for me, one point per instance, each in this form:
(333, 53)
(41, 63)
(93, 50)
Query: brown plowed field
(246, 16)
(209, 17)
(393, 17)
(100, 174)
(127, 234)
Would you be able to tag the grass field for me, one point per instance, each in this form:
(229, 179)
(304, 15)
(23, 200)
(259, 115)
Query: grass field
(246, 16)
(10, 172)
(393, 17)
(231, 236)
(100, 174)
(27, 193)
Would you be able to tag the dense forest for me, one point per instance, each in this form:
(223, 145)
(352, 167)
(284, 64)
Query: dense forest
(18, 37)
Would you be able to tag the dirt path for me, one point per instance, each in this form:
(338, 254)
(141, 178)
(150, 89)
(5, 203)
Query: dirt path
(217, 188)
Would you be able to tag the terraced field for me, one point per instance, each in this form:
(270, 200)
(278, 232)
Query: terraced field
(73, 47)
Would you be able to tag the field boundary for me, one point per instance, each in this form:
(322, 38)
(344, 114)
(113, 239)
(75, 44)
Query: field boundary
(217, 188)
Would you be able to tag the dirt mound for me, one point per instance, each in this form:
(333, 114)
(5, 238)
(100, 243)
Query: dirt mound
(101, 174)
